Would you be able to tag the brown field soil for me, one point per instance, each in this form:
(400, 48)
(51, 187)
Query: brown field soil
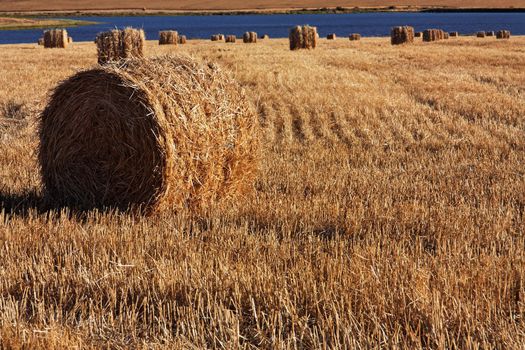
(388, 210)
(189, 5)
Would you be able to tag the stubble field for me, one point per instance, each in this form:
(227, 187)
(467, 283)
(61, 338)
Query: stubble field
(388, 210)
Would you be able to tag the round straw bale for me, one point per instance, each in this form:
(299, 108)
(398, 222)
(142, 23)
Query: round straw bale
(332, 36)
(355, 37)
(503, 34)
(231, 38)
(481, 34)
(168, 37)
(402, 35)
(150, 134)
(182, 39)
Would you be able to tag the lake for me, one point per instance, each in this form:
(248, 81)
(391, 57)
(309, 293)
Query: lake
(277, 26)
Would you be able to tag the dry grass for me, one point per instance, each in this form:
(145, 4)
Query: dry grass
(388, 211)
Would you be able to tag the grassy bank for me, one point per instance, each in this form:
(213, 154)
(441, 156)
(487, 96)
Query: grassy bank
(17, 23)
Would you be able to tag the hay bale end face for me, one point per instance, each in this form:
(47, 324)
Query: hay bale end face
(182, 39)
(231, 38)
(503, 34)
(161, 133)
(355, 37)
(331, 36)
(304, 37)
(402, 35)
(249, 38)
(56, 38)
(168, 37)
(120, 44)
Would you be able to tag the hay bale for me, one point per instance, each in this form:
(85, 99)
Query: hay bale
(182, 39)
(221, 37)
(215, 37)
(249, 38)
(453, 34)
(481, 34)
(119, 44)
(151, 134)
(331, 36)
(69, 40)
(490, 33)
(304, 37)
(355, 37)
(231, 38)
(446, 36)
(402, 35)
(56, 38)
(265, 37)
(503, 34)
(418, 34)
(430, 35)
(41, 41)
(168, 37)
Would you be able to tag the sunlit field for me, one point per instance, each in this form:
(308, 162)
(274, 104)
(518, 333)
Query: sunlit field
(388, 210)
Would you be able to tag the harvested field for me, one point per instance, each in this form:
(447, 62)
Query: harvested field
(387, 210)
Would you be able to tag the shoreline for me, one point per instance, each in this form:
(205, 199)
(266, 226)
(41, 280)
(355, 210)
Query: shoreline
(278, 11)
(27, 23)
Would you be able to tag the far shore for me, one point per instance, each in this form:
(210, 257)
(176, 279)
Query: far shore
(335, 10)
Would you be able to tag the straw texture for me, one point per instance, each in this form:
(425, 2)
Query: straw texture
(119, 44)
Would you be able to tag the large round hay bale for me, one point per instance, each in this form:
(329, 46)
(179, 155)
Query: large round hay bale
(159, 133)
(402, 35)
(168, 37)
(430, 35)
(249, 38)
(56, 38)
(119, 44)
(304, 37)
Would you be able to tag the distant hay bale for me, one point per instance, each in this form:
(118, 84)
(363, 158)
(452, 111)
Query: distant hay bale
(355, 37)
(402, 35)
(304, 37)
(69, 40)
(168, 37)
(503, 34)
(418, 34)
(221, 37)
(119, 44)
(446, 36)
(56, 38)
(231, 38)
(265, 37)
(481, 34)
(215, 37)
(182, 39)
(453, 34)
(331, 36)
(249, 38)
(490, 33)
(41, 41)
(430, 35)
(152, 134)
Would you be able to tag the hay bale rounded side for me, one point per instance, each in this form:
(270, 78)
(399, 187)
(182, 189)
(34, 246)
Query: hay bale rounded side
(118, 44)
(355, 37)
(503, 34)
(168, 37)
(56, 38)
(304, 37)
(231, 38)
(149, 134)
(430, 35)
(402, 35)
(249, 38)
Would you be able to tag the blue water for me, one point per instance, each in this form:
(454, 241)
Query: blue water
(368, 24)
